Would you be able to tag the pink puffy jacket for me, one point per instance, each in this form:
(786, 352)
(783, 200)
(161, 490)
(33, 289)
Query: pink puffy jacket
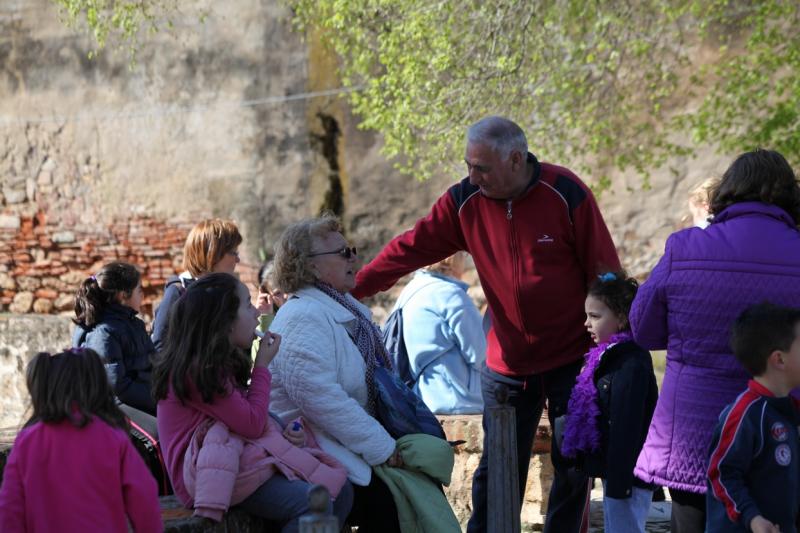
(221, 468)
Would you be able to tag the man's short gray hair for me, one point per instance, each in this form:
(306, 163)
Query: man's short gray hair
(499, 133)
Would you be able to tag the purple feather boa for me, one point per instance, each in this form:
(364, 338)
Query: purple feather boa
(581, 430)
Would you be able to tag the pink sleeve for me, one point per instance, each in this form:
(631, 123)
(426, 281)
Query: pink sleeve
(12, 495)
(244, 414)
(139, 491)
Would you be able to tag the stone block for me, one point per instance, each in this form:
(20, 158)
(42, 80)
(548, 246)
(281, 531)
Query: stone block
(61, 237)
(48, 294)
(9, 222)
(73, 277)
(14, 196)
(7, 282)
(64, 302)
(22, 303)
(28, 283)
(43, 306)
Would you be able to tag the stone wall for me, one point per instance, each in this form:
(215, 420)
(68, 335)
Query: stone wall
(219, 118)
(22, 337)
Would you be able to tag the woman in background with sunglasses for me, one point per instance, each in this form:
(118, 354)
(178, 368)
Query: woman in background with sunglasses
(324, 372)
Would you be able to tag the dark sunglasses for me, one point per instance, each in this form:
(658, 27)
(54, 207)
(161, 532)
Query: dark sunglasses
(345, 252)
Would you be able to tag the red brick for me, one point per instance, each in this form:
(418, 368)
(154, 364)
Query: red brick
(48, 294)
(22, 257)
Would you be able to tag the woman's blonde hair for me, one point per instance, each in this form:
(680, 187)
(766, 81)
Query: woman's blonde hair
(207, 244)
(445, 266)
(292, 263)
(700, 194)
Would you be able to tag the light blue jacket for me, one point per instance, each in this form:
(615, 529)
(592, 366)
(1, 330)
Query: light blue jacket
(445, 342)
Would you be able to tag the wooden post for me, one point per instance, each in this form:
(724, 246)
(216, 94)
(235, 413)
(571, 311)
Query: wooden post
(318, 520)
(504, 496)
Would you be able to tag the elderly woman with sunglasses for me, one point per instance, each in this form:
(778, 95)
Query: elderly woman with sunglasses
(325, 366)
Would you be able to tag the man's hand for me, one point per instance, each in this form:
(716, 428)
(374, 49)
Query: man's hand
(759, 524)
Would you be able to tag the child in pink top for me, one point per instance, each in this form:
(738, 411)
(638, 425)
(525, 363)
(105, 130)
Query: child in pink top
(203, 373)
(73, 467)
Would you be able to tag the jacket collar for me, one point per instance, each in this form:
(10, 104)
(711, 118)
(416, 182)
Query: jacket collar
(437, 275)
(119, 311)
(339, 313)
(759, 389)
(754, 208)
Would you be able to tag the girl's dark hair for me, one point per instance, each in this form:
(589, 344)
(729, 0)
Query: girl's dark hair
(617, 291)
(71, 385)
(758, 176)
(197, 349)
(97, 292)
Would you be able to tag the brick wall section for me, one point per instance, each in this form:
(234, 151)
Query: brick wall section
(42, 264)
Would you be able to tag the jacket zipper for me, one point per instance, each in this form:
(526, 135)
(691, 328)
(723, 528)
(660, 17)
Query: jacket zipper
(514, 260)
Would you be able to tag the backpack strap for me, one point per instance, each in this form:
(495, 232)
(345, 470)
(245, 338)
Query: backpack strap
(411, 379)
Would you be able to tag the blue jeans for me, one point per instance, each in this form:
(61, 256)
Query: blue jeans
(569, 492)
(283, 501)
(628, 515)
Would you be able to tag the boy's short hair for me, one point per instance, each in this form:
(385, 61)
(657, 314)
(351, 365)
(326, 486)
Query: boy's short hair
(760, 330)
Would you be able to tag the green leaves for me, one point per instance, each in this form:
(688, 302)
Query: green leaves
(120, 21)
(597, 84)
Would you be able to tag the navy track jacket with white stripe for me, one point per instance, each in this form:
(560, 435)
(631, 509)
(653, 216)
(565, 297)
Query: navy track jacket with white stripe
(754, 468)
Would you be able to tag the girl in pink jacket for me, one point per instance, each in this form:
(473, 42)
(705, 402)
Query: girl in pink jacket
(73, 467)
(221, 446)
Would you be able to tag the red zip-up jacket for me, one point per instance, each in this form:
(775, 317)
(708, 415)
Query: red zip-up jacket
(535, 256)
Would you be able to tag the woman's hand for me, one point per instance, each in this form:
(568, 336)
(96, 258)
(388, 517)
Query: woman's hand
(268, 349)
(295, 434)
(395, 460)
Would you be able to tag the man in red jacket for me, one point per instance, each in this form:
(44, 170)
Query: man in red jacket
(537, 238)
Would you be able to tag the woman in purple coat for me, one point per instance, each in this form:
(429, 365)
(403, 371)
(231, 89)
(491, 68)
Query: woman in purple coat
(749, 254)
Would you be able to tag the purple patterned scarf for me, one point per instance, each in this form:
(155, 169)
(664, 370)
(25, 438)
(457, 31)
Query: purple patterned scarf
(581, 430)
(367, 337)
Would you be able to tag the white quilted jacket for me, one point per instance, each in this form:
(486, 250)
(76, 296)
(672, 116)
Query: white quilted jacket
(319, 374)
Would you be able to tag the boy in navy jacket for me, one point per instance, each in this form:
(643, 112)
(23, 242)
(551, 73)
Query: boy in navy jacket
(754, 469)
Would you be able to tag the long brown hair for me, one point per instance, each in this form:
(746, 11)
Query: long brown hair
(198, 350)
(71, 385)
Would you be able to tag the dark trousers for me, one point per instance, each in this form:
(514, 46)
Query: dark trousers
(688, 512)
(374, 510)
(570, 490)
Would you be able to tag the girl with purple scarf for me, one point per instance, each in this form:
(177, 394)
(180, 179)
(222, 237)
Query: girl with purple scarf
(611, 405)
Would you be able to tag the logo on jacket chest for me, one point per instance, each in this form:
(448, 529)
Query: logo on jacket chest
(545, 238)
(779, 431)
(783, 454)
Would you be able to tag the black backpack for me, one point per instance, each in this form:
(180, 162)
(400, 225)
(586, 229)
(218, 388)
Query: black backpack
(150, 450)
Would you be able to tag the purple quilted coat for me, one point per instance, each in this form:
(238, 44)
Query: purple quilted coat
(749, 254)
